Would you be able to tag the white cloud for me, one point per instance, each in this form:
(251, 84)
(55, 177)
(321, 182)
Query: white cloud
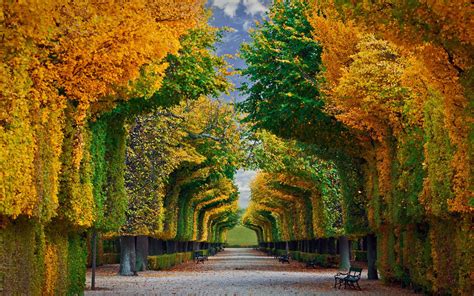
(246, 25)
(229, 6)
(242, 180)
(254, 7)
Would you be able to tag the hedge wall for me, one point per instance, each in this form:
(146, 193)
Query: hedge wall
(324, 260)
(167, 261)
(52, 261)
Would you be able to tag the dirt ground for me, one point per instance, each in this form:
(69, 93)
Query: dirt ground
(233, 272)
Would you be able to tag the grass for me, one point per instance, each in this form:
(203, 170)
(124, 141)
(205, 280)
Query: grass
(241, 236)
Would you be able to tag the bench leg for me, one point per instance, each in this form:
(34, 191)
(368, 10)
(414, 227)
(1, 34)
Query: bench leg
(337, 283)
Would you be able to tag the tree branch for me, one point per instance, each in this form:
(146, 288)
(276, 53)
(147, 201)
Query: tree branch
(169, 114)
(205, 136)
(451, 61)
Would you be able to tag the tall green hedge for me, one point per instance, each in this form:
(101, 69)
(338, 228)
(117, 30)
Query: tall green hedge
(167, 261)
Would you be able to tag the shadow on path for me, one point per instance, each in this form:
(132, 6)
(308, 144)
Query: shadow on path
(233, 272)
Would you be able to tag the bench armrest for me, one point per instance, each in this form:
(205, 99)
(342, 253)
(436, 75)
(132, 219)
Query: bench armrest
(342, 273)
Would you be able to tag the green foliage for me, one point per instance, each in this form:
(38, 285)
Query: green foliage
(196, 70)
(177, 159)
(439, 153)
(283, 61)
(410, 173)
(25, 272)
(171, 149)
(166, 261)
(391, 115)
(323, 260)
(52, 261)
(360, 255)
(76, 202)
(354, 212)
(293, 171)
(110, 258)
(193, 72)
(283, 64)
(108, 157)
(76, 264)
(80, 155)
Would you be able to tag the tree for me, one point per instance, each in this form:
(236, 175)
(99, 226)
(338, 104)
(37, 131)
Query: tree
(61, 66)
(180, 164)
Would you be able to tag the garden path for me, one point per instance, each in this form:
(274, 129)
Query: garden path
(232, 272)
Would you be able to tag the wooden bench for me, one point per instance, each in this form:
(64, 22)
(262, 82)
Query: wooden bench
(199, 257)
(350, 278)
(312, 263)
(284, 259)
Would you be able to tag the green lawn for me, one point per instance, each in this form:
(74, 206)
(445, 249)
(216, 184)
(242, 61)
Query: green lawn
(241, 236)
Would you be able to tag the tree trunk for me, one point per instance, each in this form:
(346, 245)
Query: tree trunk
(313, 246)
(331, 246)
(350, 249)
(372, 257)
(287, 248)
(94, 257)
(127, 256)
(324, 245)
(155, 247)
(345, 264)
(142, 252)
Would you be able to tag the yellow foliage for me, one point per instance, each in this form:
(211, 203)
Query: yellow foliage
(57, 53)
(339, 41)
(51, 272)
(208, 216)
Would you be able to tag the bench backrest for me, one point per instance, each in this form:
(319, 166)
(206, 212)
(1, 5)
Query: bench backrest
(355, 271)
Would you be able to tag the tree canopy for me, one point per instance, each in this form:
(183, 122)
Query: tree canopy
(381, 90)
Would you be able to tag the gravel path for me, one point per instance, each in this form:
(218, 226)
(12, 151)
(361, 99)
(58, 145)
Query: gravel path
(232, 272)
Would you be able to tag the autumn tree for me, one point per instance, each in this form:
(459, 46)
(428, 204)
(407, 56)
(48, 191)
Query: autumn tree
(285, 97)
(63, 64)
(393, 77)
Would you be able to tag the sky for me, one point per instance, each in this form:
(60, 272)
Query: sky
(241, 16)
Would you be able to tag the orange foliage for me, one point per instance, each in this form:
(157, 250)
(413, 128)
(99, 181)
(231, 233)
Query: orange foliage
(428, 46)
(82, 54)
(339, 42)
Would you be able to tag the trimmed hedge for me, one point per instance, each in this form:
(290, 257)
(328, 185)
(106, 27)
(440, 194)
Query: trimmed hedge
(359, 255)
(110, 258)
(167, 261)
(41, 260)
(324, 260)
